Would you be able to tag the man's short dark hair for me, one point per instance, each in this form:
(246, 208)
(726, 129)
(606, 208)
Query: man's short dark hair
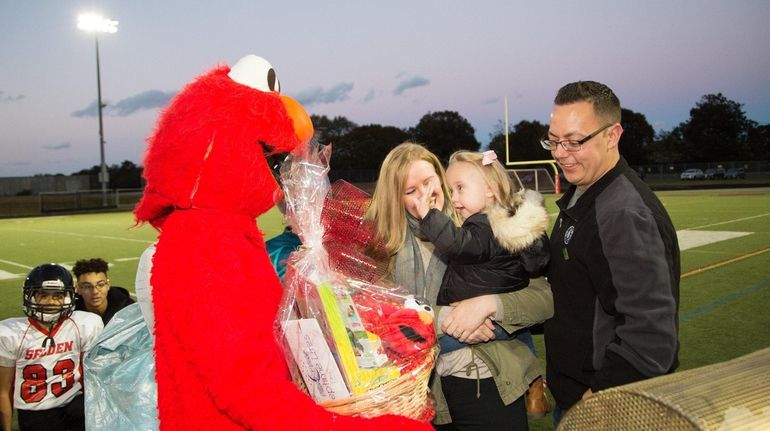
(84, 266)
(605, 102)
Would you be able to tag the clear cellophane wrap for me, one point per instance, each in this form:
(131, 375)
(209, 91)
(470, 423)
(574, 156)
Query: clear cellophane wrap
(358, 344)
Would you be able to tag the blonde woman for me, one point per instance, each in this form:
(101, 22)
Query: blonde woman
(489, 393)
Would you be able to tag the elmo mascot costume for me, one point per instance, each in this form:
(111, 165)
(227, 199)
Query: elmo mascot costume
(215, 293)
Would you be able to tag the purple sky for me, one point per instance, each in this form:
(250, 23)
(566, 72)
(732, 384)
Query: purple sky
(386, 62)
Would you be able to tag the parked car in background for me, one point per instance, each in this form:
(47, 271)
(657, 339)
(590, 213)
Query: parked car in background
(735, 173)
(691, 174)
(714, 173)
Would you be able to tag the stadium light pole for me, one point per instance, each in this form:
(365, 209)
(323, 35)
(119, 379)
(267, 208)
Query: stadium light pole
(97, 24)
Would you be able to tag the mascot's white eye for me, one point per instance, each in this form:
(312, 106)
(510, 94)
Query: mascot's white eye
(255, 72)
(419, 305)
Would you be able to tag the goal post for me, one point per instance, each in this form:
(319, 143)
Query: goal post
(534, 178)
(125, 198)
(538, 179)
(556, 178)
(74, 201)
(128, 198)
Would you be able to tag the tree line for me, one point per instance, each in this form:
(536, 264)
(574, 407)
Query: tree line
(717, 130)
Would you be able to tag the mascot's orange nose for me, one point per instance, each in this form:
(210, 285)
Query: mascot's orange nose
(303, 127)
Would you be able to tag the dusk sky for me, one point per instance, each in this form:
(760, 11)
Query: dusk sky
(387, 63)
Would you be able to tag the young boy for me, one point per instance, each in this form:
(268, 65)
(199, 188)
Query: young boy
(95, 293)
(41, 354)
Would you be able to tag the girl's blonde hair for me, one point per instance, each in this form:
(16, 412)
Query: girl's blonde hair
(504, 189)
(387, 211)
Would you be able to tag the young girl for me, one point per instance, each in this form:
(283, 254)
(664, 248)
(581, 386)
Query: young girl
(502, 242)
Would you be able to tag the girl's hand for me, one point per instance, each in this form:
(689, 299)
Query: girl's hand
(423, 203)
(469, 315)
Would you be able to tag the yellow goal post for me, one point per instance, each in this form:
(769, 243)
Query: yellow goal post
(528, 175)
(513, 172)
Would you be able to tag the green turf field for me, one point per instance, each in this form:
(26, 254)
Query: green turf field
(27, 242)
(725, 289)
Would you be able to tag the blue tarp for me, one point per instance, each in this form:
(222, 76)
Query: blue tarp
(120, 389)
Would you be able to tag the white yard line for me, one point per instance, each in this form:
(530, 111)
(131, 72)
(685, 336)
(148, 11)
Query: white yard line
(696, 238)
(691, 238)
(126, 259)
(15, 264)
(727, 222)
(144, 241)
(4, 275)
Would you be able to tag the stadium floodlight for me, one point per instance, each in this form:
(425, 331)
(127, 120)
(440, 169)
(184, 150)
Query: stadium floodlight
(97, 24)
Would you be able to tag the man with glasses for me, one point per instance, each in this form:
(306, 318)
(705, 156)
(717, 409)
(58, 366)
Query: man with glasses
(94, 291)
(614, 267)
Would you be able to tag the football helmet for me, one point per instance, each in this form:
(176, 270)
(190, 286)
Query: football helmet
(51, 278)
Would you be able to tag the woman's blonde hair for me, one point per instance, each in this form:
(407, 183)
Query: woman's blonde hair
(387, 210)
(503, 188)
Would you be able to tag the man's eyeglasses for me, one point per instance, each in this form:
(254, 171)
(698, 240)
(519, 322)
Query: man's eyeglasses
(100, 285)
(570, 145)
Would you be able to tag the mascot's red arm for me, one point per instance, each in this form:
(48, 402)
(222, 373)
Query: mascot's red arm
(215, 293)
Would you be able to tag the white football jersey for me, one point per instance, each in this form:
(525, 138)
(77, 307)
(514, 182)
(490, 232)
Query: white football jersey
(47, 377)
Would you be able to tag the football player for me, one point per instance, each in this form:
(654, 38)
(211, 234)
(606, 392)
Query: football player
(41, 355)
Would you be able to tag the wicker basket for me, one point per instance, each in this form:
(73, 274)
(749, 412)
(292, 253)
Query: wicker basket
(731, 395)
(406, 396)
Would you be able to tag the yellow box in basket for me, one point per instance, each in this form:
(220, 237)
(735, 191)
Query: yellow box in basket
(360, 352)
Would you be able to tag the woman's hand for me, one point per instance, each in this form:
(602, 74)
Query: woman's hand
(483, 334)
(468, 316)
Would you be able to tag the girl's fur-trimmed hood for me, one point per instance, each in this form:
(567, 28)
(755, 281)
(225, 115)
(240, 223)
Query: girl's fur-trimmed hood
(519, 231)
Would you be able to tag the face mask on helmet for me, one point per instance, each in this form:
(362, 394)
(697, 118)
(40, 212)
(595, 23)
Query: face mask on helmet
(49, 294)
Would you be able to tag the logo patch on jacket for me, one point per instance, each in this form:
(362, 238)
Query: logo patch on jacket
(568, 234)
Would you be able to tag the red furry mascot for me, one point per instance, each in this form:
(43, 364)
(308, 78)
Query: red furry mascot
(215, 293)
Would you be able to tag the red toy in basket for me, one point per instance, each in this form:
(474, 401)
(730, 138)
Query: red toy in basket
(406, 329)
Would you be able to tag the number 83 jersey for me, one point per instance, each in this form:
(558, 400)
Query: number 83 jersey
(47, 377)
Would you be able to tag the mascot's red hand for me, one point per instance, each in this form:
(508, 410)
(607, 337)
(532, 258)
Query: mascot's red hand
(215, 293)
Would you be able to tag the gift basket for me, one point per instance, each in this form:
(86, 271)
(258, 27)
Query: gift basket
(357, 344)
